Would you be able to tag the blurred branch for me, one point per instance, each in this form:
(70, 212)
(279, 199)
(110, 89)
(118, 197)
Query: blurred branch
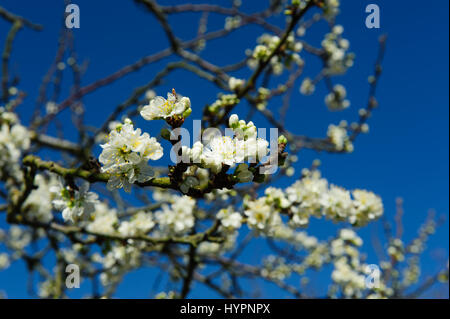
(13, 18)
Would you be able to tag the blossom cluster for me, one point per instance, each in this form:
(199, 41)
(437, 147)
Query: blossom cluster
(311, 196)
(338, 60)
(38, 205)
(331, 9)
(177, 217)
(230, 222)
(338, 136)
(139, 224)
(106, 220)
(217, 152)
(117, 257)
(350, 274)
(307, 87)
(14, 140)
(232, 22)
(335, 100)
(125, 156)
(225, 99)
(267, 44)
(118, 260)
(229, 218)
(235, 83)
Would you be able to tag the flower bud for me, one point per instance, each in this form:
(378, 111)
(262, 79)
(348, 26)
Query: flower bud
(187, 112)
(234, 119)
(282, 139)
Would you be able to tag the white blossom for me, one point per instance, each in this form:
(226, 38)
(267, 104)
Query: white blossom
(232, 22)
(335, 100)
(367, 206)
(336, 203)
(267, 44)
(177, 218)
(126, 154)
(161, 108)
(331, 9)
(339, 137)
(338, 60)
(311, 196)
(277, 197)
(38, 205)
(234, 83)
(140, 224)
(14, 140)
(222, 150)
(307, 87)
(74, 203)
(4, 261)
(261, 216)
(103, 220)
(229, 219)
(306, 193)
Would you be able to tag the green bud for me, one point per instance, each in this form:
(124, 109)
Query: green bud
(282, 139)
(187, 112)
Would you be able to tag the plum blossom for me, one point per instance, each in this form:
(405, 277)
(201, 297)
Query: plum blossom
(229, 218)
(126, 154)
(74, 203)
(177, 218)
(161, 108)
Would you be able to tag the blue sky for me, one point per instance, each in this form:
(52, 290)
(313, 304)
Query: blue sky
(406, 153)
